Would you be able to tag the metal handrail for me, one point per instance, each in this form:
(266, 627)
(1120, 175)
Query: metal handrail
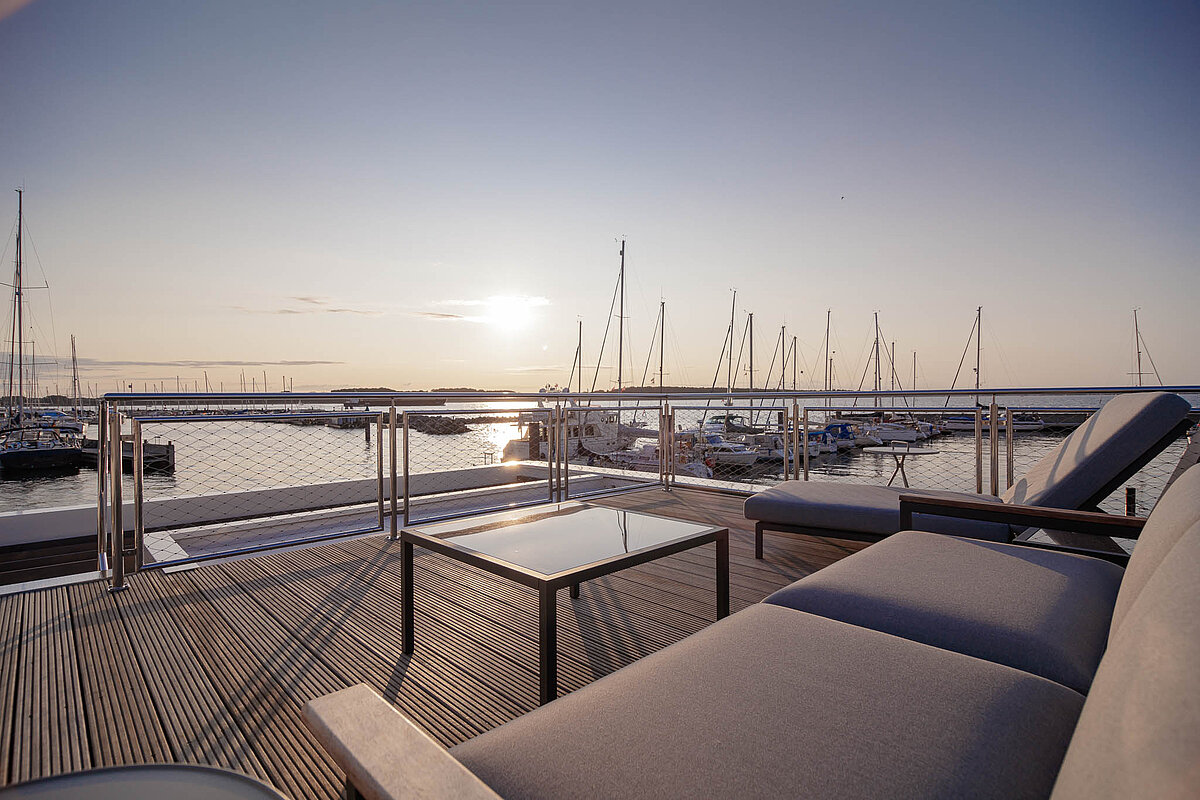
(116, 408)
(385, 398)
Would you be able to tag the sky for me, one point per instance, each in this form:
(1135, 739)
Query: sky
(424, 195)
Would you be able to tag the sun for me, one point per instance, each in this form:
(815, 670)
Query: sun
(512, 312)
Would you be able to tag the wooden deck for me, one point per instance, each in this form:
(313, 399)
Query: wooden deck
(213, 664)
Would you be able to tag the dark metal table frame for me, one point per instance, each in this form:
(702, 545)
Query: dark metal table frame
(547, 586)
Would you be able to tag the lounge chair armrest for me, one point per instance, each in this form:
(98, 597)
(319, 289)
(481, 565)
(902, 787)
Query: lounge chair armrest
(1039, 516)
(384, 755)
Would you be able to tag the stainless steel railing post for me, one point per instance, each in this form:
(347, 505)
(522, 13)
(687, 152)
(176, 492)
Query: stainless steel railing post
(783, 430)
(102, 489)
(551, 451)
(394, 489)
(978, 450)
(994, 447)
(407, 471)
(565, 463)
(139, 497)
(670, 449)
(804, 443)
(1008, 446)
(117, 540)
(379, 493)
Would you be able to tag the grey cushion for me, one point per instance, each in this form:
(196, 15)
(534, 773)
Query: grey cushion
(860, 508)
(1139, 734)
(1043, 612)
(778, 703)
(1096, 452)
(1176, 511)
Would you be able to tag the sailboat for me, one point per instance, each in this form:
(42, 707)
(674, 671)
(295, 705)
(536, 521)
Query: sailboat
(29, 445)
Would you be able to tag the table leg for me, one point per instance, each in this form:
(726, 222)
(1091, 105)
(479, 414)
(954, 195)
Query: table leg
(900, 467)
(547, 646)
(406, 595)
(896, 471)
(723, 576)
(575, 590)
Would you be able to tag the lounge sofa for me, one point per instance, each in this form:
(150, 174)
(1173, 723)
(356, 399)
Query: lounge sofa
(1079, 680)
(1086, 467)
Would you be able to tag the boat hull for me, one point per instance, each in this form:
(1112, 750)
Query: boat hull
(39, 459)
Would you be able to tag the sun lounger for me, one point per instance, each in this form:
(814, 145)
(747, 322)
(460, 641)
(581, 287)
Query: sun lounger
(1113, 444)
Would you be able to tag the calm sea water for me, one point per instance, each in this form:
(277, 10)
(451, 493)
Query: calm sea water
(238, 456)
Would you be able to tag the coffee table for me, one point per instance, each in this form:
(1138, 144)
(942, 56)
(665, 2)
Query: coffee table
(552, 546)
(901, 452)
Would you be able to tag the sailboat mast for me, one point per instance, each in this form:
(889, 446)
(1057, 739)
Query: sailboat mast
(751, 323)
(20, 314)
(75, 378)
(978, 347)
(794, 359)
(662, 337)
(729, 367)
(783, 366)
(877, 385)
(828, 377)
(579, 358)
(1137, 342)
(621, 328)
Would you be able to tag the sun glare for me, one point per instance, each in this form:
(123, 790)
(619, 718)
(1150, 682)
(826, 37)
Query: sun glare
(512, 313)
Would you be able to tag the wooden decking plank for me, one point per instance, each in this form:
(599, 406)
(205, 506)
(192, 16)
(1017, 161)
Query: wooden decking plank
(195, 719)
(123, 726)
(255, 701)
(11, 626)
(354, 647)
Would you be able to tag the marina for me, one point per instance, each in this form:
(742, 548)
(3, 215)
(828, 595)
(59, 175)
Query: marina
(327, 472)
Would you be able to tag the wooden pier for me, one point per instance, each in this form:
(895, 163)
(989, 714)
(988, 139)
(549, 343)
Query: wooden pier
(212, 665)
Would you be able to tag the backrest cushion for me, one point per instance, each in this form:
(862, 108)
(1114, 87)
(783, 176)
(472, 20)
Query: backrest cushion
(1139, 732)
(1176, 511)
(1098, 451)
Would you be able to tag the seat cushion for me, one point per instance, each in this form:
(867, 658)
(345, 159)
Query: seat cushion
(1040, 611)
(861, 508)
(772, 702)
(1139, 734)
(1174, 513)
(1098, 451)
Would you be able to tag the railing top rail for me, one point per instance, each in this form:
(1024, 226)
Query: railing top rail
(435, 397)
(255, 416)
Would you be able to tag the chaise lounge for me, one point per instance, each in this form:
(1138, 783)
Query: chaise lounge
(791, 699)
(1087, 466)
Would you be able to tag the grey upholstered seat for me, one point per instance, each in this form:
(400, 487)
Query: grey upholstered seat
(1139, 734)
(773, 702)
(873, 510)
(1040, 611)
(1085, 467)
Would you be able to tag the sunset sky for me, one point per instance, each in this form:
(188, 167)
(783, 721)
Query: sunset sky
(425, 195)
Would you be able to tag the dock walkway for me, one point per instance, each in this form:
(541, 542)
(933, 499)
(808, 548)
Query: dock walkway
(212, 665)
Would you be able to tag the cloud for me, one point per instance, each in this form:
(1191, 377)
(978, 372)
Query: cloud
(438, 316)
(535, 369)
(311, 305)
(186, 364)
(507, 310)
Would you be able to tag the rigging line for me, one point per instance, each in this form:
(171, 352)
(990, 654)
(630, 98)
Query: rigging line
(46, 285)
(737, 367)
(962, 360)
(604, 341)
(650, 350)
(1146, 350)
(995, 345)
(677, 352)
(891, 354)
(728, 341)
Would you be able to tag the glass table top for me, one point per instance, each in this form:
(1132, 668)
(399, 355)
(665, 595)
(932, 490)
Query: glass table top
(563, 536)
